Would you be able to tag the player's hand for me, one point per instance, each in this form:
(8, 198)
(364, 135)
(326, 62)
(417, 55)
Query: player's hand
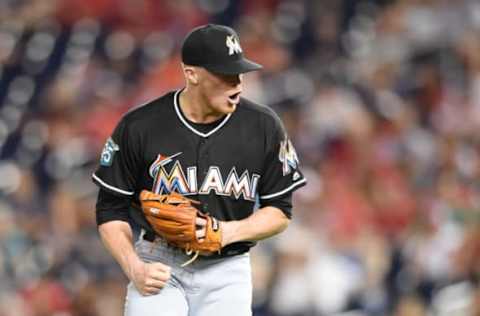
(201, 229)
(149, 278)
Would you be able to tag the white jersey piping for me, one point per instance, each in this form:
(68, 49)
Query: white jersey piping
(190, 127)
(108, 186)
(291, 187)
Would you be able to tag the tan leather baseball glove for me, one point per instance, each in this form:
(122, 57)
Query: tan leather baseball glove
(174, 217)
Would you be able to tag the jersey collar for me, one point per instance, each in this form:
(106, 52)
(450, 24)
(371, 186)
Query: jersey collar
(190, 127)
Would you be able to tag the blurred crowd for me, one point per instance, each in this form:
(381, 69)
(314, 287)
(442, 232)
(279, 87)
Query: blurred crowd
(380, 97)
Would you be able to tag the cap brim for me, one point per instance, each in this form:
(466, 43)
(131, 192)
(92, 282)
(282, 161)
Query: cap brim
(236, 67)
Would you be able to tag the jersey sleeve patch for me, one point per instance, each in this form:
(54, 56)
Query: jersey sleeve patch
(108, 152)
(282, 174)
(288, 157)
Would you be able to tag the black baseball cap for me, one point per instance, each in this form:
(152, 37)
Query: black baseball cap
(217, 49)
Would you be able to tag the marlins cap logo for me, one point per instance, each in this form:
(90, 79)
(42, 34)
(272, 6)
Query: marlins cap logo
(233, 45)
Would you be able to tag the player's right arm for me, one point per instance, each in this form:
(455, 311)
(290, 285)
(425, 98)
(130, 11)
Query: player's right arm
(148, 278)
(117, 236)
(120, 162)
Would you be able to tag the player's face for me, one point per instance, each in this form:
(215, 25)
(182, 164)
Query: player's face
(220, 92)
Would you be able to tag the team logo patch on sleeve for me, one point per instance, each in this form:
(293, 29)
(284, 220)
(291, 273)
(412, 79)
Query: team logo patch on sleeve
(106, 158)
(288, 157)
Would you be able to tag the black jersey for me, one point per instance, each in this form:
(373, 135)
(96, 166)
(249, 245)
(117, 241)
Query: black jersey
(245, 156)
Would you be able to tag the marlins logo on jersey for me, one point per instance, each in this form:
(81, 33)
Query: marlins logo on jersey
(186, 182)
(288, 157)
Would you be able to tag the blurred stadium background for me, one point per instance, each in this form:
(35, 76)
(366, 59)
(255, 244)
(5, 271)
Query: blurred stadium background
(381, 98)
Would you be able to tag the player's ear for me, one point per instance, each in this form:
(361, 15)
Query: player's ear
(190, 73)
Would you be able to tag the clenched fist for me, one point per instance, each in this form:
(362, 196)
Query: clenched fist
(149, 278)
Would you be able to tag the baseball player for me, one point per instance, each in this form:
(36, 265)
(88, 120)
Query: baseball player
(205, 150)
